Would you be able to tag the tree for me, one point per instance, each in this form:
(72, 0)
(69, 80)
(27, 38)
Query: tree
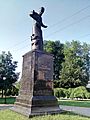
(74, 69)
(55, 48)
(86, 58)
(8, 76)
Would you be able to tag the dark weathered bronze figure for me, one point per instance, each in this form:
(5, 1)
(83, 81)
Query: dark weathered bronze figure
(37, 38)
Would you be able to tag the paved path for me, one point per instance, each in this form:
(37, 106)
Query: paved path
(5, 106)
(79, 110)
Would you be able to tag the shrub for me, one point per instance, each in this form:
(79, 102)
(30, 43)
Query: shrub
(62, 92)
(68, 92)
(56, 92)
(79, 92)
(59, 92)
(87, 95)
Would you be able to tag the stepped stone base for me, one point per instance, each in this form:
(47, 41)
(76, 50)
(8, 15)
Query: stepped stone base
(36, 92)
(35, 111)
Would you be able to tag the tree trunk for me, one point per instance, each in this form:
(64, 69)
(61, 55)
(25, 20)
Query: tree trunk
(2, 93)
(5, 97)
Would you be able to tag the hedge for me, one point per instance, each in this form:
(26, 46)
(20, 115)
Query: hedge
(78, 92)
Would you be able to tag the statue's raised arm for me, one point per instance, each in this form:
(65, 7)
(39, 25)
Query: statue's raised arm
(37, 38)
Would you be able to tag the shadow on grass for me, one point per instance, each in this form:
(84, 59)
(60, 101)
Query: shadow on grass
(63, 113)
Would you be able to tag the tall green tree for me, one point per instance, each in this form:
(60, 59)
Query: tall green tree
(74, 69)
(8, 76)
(86, 58)
(55, 48)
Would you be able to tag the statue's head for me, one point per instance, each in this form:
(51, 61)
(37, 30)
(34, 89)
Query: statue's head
(34, 15)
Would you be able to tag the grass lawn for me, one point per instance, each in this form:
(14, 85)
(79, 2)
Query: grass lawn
(74, 103)
(9, 100)
(10, 115)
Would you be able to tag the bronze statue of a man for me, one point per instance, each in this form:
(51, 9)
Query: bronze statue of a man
(37, 38)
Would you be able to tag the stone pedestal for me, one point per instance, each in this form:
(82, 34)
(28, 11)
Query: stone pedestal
(36, 92)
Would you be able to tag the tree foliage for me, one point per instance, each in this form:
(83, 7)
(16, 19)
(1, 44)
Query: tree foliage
(75, 68)
(8, 76)
(55, 48)
(71, 63)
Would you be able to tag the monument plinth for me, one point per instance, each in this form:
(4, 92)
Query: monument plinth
(36, 95)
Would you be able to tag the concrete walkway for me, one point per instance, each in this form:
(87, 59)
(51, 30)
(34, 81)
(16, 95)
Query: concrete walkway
(78, 110)
(5, 106)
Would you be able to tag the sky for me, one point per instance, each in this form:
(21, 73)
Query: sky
(67, 20)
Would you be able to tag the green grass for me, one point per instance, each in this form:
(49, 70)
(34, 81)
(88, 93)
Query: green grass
(9, 100)
(10, 115)
(74, 103)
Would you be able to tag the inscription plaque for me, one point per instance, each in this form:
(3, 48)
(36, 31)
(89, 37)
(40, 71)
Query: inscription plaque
(44, 72)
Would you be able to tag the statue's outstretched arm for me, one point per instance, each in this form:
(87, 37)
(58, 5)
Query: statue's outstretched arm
(43, 25)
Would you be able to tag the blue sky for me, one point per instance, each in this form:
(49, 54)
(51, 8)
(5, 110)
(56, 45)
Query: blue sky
(66, 20)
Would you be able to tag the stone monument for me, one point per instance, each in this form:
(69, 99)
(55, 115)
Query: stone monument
(36, 95)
